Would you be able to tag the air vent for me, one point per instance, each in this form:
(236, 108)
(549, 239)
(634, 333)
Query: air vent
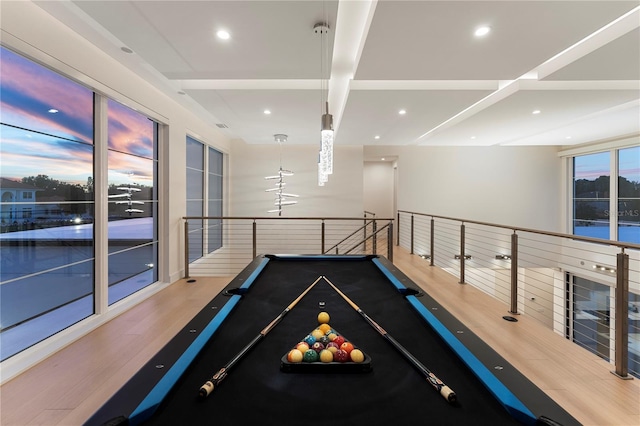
(222, 126)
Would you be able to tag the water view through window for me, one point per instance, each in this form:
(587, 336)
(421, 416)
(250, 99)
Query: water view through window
(47, 205)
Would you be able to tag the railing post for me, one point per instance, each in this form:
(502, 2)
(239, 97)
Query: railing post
(514, 273)
(621, 322)
(398, 233)
(255, 227)
(462, 254)
(375, 237)
(431, 242)
(322, 237)
(411, 251)
(390, 242)
(186, 248)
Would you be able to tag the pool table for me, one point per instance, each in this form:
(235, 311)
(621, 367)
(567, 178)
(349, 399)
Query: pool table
(260, 388)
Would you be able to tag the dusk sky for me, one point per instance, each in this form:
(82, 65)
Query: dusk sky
(60, 144)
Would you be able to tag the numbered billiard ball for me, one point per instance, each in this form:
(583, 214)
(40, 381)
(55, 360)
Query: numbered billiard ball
(326, 355)
(338, 340)
(356, 355)
(347, 347)
(317, 346)
(310, 356)
(302, 347)
(341, 356)
(317, 333)
(309, 340)
(333, 347)
(294, 355)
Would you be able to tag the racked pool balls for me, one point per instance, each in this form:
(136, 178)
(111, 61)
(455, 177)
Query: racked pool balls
(323, 318)
(356, 355)
(294, 355)
(310, 356)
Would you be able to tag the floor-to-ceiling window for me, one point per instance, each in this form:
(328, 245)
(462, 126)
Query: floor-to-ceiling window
(629, 194)
(591, 179)
(204, 197)
(47, 203)
(195, 197)
(214, 200)
(133, 201)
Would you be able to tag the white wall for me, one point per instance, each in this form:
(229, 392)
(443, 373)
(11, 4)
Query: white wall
(517, 186)
(340, 197)
(378, 186)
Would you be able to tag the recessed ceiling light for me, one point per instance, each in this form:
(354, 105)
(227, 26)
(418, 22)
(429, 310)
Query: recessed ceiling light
(402, 112)
(473, 137)
(53, 111)
(267, 112)
(568, 137)
(482, 31)
(382, 158)
(376, 137)
(536, 111)
(224, 35)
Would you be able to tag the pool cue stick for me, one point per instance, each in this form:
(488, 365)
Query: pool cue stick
(215, 380)
(438, 385)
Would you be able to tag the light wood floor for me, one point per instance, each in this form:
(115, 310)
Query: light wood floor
(69, 386)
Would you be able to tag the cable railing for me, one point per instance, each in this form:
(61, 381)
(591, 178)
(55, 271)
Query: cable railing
(573, 285)
(221, 246)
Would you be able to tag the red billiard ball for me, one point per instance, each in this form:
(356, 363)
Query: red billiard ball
(317, 346)
(341, 356)
(338, 340)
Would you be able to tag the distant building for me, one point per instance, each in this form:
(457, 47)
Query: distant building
(18, 201)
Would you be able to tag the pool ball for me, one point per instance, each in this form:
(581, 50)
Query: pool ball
(331, 336)
(317, 346)
(310, 356)
(302, 347)
(323, 318)
(317, 333)
(294, 355)
(324, 328)
(347, 347)
(356, 355)
(341, 356)
(339, 340)
(326, 355)
(333, 347)
(309, 340)
(324, 340)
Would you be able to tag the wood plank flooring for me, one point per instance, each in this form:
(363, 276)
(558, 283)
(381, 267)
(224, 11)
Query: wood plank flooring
(68, 387)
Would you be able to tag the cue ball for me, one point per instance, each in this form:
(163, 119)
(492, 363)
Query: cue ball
(356, 355)
(323, 318)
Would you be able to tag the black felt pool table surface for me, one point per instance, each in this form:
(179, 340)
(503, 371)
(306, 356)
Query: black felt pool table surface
(256, 390)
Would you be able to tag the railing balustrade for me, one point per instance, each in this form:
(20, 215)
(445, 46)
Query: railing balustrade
(539, 274)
